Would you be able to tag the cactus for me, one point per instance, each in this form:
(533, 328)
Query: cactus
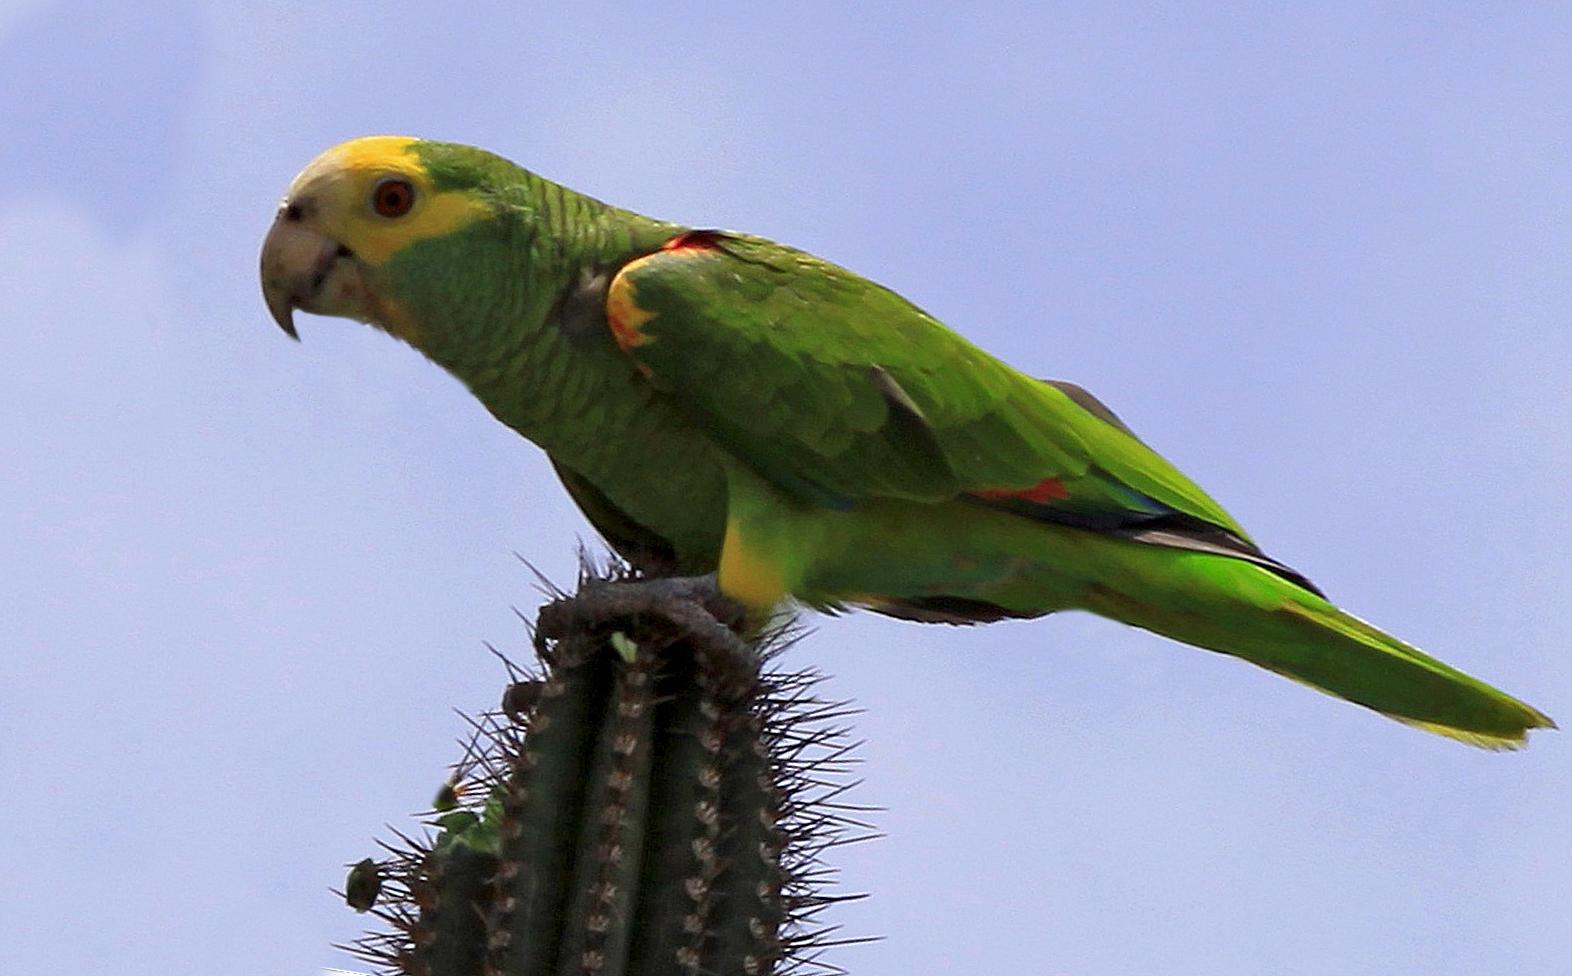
(655, 800)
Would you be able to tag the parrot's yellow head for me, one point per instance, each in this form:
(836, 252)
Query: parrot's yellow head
(343, 218)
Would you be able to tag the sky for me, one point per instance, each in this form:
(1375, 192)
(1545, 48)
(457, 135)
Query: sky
(1320, 255)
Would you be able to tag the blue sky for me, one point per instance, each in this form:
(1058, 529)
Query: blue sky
(1319, 255)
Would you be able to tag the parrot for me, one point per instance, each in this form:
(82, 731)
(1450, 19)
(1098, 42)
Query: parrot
(725, 408)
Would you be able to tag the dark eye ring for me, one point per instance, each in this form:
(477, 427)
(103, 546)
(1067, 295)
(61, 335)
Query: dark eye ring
(392, 197)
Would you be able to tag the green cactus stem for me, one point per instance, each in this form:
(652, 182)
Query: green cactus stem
(655, 801)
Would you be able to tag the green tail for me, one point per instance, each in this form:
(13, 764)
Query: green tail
(1231, 606)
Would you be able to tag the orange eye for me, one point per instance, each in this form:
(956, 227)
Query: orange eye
(393, 197)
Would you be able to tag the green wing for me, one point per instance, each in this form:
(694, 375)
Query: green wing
(837, 389)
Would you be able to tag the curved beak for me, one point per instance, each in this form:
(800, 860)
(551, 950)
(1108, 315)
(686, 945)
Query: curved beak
(296, 262)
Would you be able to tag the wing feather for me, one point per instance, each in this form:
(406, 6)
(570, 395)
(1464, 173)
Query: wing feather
(837, 389)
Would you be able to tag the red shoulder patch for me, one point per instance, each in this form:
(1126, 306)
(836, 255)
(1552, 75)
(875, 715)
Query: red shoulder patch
(1045, 491)
(703, 240)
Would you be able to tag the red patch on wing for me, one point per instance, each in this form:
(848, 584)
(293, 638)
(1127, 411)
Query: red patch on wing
(1045, 491)
(703, 240)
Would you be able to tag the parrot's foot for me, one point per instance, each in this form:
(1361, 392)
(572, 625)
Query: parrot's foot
(691, 604)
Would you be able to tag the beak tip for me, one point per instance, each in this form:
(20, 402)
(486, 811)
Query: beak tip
(283, 311)
(286, 322)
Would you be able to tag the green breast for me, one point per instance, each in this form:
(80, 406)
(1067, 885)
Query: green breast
(649, 482)
(642, 473)
(514, 308)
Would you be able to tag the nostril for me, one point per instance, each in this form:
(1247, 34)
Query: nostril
(345, 252)
(293, 213)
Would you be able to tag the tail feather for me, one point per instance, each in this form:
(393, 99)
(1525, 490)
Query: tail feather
(1240, 609)
(1445, 701)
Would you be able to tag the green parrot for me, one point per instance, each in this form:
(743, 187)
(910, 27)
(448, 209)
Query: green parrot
(717, 403)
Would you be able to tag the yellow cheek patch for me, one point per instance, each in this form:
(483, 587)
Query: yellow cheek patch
(747, 575)
(623, 313)
(379, 238)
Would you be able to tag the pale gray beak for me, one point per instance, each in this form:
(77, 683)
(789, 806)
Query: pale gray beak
(296, 260)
